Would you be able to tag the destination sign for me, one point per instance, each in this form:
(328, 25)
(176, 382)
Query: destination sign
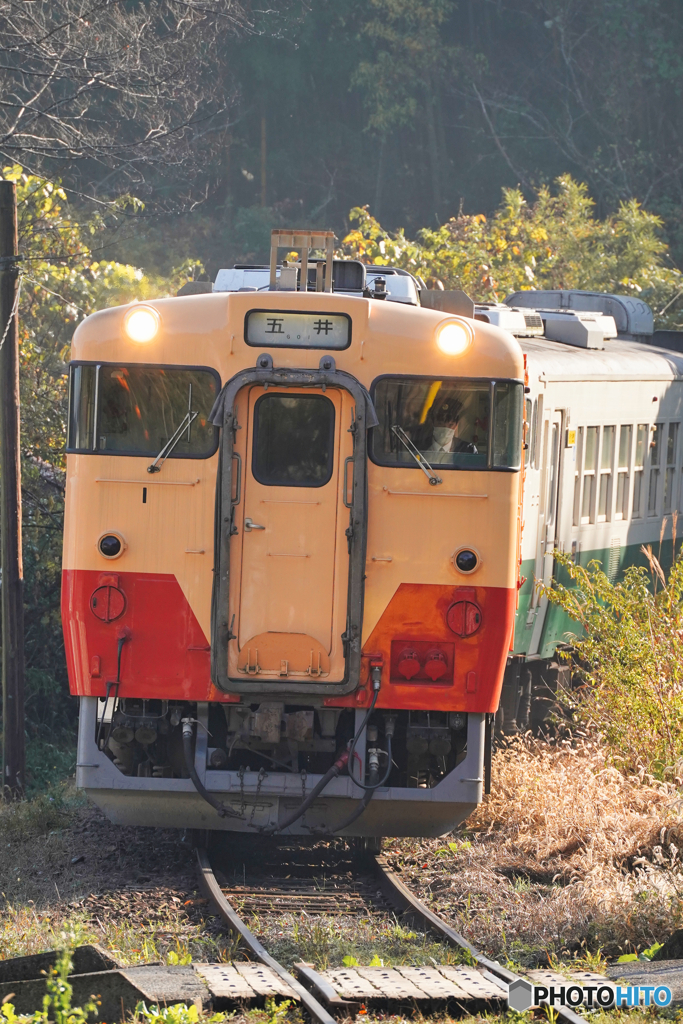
(283, 329)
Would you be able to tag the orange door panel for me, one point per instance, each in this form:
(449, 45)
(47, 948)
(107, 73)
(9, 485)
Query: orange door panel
(288, 533)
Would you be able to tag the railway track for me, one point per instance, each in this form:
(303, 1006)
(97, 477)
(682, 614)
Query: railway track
(326, 880)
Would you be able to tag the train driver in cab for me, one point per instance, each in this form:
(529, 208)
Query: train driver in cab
(442, 428)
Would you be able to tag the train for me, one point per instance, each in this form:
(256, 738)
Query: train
(307, 507)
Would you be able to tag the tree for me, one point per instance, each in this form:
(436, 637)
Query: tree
(553, 242)
(403, 81)
(62, 280)
(109, 91)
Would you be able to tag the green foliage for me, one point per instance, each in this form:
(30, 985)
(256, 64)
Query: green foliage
(409, 54)
(57, 1006)
(553, 242)
(179, 1013)
(647, 954)
(9, 1016)
(452, 849)
(632, 647)
(62, 281)
(277, 1011)
(182, 958)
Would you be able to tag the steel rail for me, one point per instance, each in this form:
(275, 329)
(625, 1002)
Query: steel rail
(396, 890)
(236, 924)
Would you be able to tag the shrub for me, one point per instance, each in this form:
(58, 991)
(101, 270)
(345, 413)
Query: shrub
(631, 653)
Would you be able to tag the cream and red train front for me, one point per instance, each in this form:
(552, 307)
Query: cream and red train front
(352, 428)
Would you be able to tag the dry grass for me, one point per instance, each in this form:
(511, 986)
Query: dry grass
(566, 856)
(68, 874)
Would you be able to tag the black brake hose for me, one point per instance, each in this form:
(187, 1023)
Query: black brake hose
(376, 676)
(222, 810)
(330, 774)
(356, 813)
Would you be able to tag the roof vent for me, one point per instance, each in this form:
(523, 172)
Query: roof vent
(517, 321)
(632, 316)
(580, 328)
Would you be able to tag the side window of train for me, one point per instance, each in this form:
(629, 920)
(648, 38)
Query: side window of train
(576, 516)
(456, 424)
(605, 485)
(137, 410)
(655, 472)
(670, 472)
(623, 471)
(590, 462)
(293, 440)
(639, 469)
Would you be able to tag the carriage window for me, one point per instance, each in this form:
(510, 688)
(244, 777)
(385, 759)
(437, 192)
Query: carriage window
(655, 447)
(136, 410)
(606, 456)
(293, 440)
(576, 519)
(590, 459)
(449, 422)
(671, 446)
(625, 435)
(638, 470)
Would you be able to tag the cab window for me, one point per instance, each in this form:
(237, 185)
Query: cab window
(449, 422)
(135, 410)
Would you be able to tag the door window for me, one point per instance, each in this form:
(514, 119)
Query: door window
(293, 440)
(552, 493)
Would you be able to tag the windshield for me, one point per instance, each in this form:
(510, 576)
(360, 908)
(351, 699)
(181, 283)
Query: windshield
(449, 422)
(135, 410)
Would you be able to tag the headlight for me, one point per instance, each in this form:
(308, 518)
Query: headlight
(454, 337)
(141, 323)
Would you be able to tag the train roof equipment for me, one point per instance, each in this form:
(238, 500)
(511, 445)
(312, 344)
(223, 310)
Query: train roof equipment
(633, 317)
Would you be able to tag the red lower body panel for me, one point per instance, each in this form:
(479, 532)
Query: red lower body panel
(413, 636)
(164, 655)
(426, 664)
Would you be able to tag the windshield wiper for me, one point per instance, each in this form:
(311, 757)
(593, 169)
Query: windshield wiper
(188, 420)
(419, 458)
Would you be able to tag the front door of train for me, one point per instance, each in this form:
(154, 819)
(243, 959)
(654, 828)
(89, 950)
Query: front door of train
(291, 589)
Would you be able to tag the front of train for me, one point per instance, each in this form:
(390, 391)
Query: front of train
(291, 552)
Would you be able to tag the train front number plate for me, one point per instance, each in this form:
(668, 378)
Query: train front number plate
(285, 329)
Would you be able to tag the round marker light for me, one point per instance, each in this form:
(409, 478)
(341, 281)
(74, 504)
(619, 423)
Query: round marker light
(111, 545)
(453, 338)
(465, 560)
(141, 323)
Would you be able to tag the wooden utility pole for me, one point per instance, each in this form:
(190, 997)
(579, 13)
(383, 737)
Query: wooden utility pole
(12, 588)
